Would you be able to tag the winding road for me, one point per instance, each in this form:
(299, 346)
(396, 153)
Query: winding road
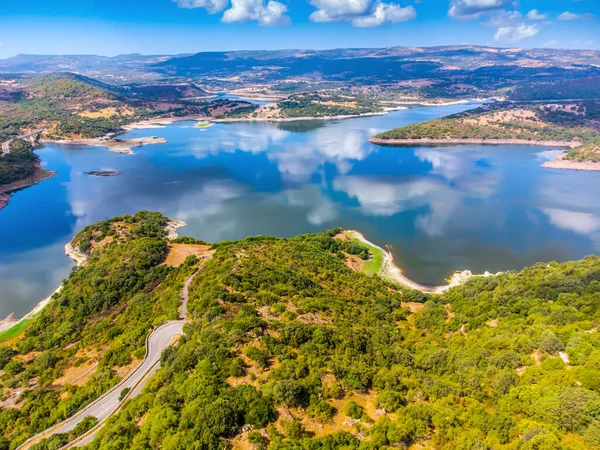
(108, 404)
(6, 144)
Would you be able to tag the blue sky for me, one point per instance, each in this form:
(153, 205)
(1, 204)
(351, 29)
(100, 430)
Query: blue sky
(110, 27)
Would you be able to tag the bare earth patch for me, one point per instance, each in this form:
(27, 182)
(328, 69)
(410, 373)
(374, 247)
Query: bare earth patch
(179, 252)
(77, 376)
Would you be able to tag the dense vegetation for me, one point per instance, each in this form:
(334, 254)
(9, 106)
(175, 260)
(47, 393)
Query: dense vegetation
(587, 87)
(588, 152)
(288, 348)
(17, 165)
(99, 320)
(326, 104)
(284, 337)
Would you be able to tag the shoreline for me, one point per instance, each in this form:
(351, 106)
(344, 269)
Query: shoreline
(564, 164)
(294, 119)
(116, 146)
(558, 163)
(8, 323)
(79, 259)
(430, 141)
(391, 272)
(429, 103)
(7, 190)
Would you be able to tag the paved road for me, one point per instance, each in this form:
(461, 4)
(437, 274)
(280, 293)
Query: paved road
(186, 294)
(6, 144)
(105, 406)
(6, 147)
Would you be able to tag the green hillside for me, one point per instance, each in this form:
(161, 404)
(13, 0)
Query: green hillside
(288, 348)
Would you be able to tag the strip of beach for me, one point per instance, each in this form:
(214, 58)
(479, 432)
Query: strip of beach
(390, 271)
(560, 162)
(429, 141)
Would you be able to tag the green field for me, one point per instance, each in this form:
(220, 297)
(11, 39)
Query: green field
(373, 265)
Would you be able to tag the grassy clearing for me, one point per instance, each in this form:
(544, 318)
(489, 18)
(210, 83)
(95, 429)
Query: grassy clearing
(373, 265)
(15, 331)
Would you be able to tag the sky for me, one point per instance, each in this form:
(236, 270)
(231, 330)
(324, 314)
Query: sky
(111, 27)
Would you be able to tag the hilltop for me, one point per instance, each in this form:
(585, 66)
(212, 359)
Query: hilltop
(290, 345)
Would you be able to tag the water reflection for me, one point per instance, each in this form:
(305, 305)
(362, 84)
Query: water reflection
(441, 209)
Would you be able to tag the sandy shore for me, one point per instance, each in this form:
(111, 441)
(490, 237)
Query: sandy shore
(172, 227)
(428, 141)
(390, 271)
(561, 163)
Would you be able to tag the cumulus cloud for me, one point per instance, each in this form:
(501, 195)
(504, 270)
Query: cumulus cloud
(473, 9)
(505, 18)
(534, 14)
(579, 222)
(386, 13)
(269, 13)
(362, 13)
(211, 6)
(572, 16)
(516, 33)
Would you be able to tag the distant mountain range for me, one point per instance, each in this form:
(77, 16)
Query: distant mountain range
(358, 65)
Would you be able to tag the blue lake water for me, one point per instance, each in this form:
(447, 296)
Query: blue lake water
(441, 209)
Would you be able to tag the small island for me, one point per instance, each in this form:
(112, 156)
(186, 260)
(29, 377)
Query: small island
(103, 173)
(570, 125)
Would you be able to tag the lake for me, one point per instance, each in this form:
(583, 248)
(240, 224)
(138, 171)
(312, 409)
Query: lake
(441, 209)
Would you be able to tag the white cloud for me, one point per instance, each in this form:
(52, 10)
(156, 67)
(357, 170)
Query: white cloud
(338, 10)
(505, 18)
(386, 13)
(534, 14)
(579, 222)
(211, 6)
(362, 13)
(516, 33)
(473, 9)
(572, 16)
(270, 13)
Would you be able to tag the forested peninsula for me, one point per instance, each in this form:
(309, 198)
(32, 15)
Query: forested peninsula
(298, 344)
(571, 125)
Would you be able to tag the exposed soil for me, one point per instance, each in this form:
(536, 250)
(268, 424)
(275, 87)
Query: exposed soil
(179, 252)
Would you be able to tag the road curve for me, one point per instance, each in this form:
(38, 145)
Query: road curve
(106, 405)
(103, 407)
(6, 147)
